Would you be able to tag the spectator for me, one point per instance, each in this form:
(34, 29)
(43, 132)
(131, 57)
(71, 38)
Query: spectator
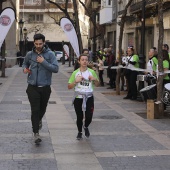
(19, 58)
(111, 72)
(131, 75)
(111, 47)
(100, 69)
(166, 47)
(90, 54)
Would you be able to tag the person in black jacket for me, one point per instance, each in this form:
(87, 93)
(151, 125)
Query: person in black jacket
(39, 64)
(111, 72)
(19, 59)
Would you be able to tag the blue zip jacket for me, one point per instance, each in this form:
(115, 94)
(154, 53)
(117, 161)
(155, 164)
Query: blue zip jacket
(41, 73)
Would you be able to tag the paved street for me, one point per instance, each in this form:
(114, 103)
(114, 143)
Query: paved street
(121, 136)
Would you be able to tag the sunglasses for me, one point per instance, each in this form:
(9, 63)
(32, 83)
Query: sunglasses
(130, 47)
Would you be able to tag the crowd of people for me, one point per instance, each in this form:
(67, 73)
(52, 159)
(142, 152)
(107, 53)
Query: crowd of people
(130, 61)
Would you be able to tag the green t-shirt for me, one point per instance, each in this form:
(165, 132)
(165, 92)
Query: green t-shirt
(136, 59)
(152, 64)
(102, 53)
(155, 63)
(85, 85)
(133, 58)
(166, 65)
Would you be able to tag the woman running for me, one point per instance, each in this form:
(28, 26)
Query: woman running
(83, 80)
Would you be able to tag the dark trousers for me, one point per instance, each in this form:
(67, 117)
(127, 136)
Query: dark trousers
(165, 82)
(101, 77)
(88, 113)
(131, 78)
(38, 98)
(21, 62)
(112, 76)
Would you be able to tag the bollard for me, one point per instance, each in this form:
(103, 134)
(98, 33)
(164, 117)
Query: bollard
(152, 109)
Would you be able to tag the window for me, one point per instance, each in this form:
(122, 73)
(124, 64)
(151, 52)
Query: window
(32, 2)
(36, 18)
(109, 2)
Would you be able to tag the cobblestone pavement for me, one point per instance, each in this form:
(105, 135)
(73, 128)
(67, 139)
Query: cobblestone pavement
(121, 136)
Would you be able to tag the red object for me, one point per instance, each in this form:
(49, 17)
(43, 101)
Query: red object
(29, 71)
(90, 78)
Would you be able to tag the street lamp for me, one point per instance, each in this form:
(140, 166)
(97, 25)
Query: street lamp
(142, 47)
(25, 40)
(94, 8)
(21, 24)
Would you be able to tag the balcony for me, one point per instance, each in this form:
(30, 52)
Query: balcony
(106, 15)
(136, 7)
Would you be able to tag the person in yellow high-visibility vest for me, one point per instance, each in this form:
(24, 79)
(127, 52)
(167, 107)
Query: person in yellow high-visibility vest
(102, 53)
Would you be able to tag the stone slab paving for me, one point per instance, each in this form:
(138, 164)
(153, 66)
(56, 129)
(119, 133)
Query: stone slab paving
(120, 138)
(17, 148)
(136, 163)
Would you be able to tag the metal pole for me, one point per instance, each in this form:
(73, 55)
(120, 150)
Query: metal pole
(3, 60)
(63, 58)
(72, 55)
(69, 55)
(94, 36)
(24, 46)
(142, 50)
(21, 48)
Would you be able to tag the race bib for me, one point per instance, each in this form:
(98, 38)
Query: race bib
(84, 84)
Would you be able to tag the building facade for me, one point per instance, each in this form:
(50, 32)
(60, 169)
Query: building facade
(151, 35)
(110, 13)
(40, 16)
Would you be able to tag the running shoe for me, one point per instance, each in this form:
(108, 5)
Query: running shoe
(79, 136)
(87, 133)
(37, 138)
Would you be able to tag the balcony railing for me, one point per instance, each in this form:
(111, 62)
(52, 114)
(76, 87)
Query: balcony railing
(138, 6)
(120, 12)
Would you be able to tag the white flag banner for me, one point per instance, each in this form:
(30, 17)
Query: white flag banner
(7, 17)
(66, 49)
(70, 32)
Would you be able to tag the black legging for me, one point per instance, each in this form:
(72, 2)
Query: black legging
(112, 76)
(131, 78)
(101, 77)
(88, 112)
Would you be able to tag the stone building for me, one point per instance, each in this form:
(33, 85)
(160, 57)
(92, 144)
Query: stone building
(40, 16)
